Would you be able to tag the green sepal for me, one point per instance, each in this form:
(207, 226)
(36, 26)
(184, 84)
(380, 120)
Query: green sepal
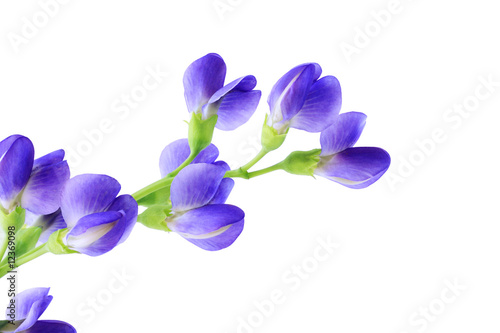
(15, 219)
(26, 240)
(56, 245)
(302, 162)
(7, 326)
(270, 138)
(160, 197)
(154, 217)
(200, 132)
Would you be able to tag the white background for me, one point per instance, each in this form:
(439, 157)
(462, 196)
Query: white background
(433, 218)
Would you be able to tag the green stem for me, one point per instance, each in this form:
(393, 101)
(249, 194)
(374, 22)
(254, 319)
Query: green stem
(190, 159)
(239, 173)
(263, 152)
(165, 181)
(157, 185)
(3, 247)
(278, 166)
(33, 254)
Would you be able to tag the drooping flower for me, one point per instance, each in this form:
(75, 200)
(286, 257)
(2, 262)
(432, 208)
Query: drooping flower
(96, 218)
(199, 213)
(35, 185)
(303, 101)
(356, 167)
(206, 94)
(25, 309)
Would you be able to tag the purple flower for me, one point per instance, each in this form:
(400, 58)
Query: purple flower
(205, 93)
(301, 101)
(97, 219)
(32, 184)
(352, 167)
(29, 306)
(199, 213)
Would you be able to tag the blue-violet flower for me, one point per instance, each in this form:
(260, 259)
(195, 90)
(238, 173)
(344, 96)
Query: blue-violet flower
(356, 167)
(28, 306)
(205, 93)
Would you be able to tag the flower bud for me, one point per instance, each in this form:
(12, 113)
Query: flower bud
(271, 139)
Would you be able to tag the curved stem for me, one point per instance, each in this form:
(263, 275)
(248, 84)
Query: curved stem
(238, 173)
(165, 181)
(157, 185)
(190, 159)
(263, 152)
(33, 254)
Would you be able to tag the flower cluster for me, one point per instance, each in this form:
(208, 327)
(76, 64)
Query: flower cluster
(190, 198)
(39, 201)
(46, 211)
(43, 210)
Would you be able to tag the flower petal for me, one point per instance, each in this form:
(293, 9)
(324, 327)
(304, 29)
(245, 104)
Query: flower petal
(178, 151)
(321, 107)
(236, 108)
(7, 142)
(355, 167)
(234, 103)
(127, 205)
(87, 194)
(225, 188)
(52, 326)
(30, 305)
(205, 220)
(51, 158)
(289, 93)
(42, 194)
(220, 241)
(16, 163)
(244, 83)
(343, 133)
(195, 186)
(202, 79)
(120, 219)
(92, 228)
(25, 300)
(222, 164)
